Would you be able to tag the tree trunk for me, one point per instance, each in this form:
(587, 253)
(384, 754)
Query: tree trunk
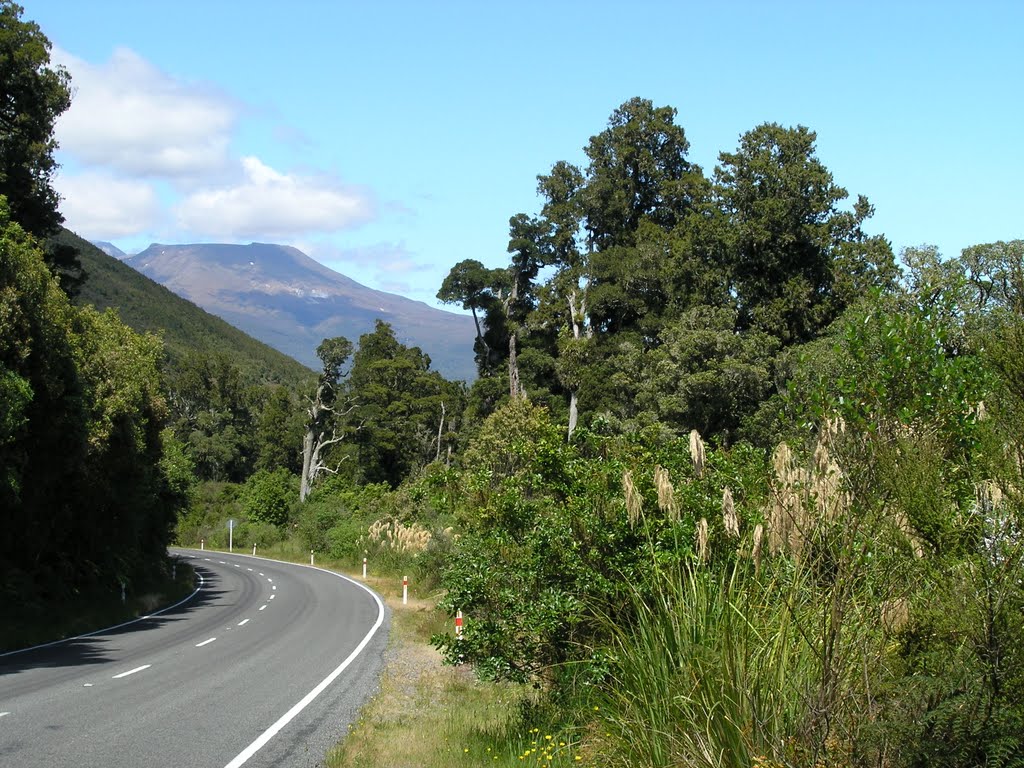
(573, 413)
(515, 387)
(307, 458)
(577, 318)
(440, 427)
(479, 336)
(315, 440)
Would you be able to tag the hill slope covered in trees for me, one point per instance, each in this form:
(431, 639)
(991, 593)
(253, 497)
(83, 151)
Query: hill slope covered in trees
(146, 306)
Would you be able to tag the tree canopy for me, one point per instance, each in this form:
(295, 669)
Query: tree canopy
(33, 94)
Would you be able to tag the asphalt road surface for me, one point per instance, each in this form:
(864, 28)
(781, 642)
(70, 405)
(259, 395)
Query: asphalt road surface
(266, 665)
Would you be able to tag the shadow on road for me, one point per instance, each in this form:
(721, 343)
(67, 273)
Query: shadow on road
(94, 648)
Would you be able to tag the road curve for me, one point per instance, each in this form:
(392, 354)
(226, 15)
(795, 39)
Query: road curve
(266, 665)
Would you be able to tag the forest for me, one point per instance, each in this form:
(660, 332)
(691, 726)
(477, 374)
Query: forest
(735, 485)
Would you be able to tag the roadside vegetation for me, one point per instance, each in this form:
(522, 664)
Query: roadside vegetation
(735, 484)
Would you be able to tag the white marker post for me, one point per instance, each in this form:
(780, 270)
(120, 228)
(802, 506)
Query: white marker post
(405, 590)
(311, 557)
(231, 535)
(254, 550)
(364, 567)
(458, 625)
(122, 592)
(202, 543)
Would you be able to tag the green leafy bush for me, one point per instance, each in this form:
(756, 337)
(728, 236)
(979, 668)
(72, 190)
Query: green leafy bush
(268, 497)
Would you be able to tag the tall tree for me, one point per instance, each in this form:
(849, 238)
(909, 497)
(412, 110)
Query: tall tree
(83, 481)
(279, 429)
(323, 426)
(399, 404)
(478, 289)
(639, 187)
(212, 415)
(787, 237)
(32, 96)
(638, 169)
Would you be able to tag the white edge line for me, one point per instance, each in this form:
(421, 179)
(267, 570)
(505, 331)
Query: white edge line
(131, 671)
(288, 716)
(116, 626)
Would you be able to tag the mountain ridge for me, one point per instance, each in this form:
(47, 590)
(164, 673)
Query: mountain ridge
(147, 306)
(286, 299)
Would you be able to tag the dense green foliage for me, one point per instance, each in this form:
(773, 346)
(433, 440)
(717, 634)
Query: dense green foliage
(850, 596)
(836, 578)
(86, 494)
(669, 297)
(234, 403)
(32, 96)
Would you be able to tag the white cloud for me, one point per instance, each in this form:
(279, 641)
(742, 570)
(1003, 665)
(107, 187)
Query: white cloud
(101, 207)
(129, 116)
(268, 204)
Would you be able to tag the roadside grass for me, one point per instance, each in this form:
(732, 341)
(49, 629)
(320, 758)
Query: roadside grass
(38, 623)
(430, 715)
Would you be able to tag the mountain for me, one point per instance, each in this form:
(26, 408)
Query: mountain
(110, 249)
(144, 305)
(281, 296)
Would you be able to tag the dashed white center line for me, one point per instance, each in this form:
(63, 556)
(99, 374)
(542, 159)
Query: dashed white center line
(87, 685)
(269, 579)
(243, 622)
(237, 565)
(249, 569)
(263, 606)
(222, 562)
(4, 714)
(273, 596)
(132, 671)
(205, 642)
(274, 587)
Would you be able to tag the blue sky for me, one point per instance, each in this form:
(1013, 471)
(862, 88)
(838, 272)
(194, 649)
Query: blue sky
(391, 140)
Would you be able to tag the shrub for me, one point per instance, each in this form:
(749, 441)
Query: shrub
(268, 496)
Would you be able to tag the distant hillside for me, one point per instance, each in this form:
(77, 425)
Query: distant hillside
(110, 249)
(281, 296)
(147, 306)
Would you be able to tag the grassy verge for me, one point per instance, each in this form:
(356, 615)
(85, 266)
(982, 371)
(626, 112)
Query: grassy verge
(430, 715)
(25, 626)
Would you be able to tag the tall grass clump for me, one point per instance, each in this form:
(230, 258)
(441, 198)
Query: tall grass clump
(765, 647)
(715, 672)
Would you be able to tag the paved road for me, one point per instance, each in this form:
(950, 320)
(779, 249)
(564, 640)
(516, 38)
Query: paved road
(214, 682)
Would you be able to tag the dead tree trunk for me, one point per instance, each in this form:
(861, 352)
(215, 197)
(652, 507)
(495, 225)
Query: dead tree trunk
(440, 427)
(316, 440)
(577, 318)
